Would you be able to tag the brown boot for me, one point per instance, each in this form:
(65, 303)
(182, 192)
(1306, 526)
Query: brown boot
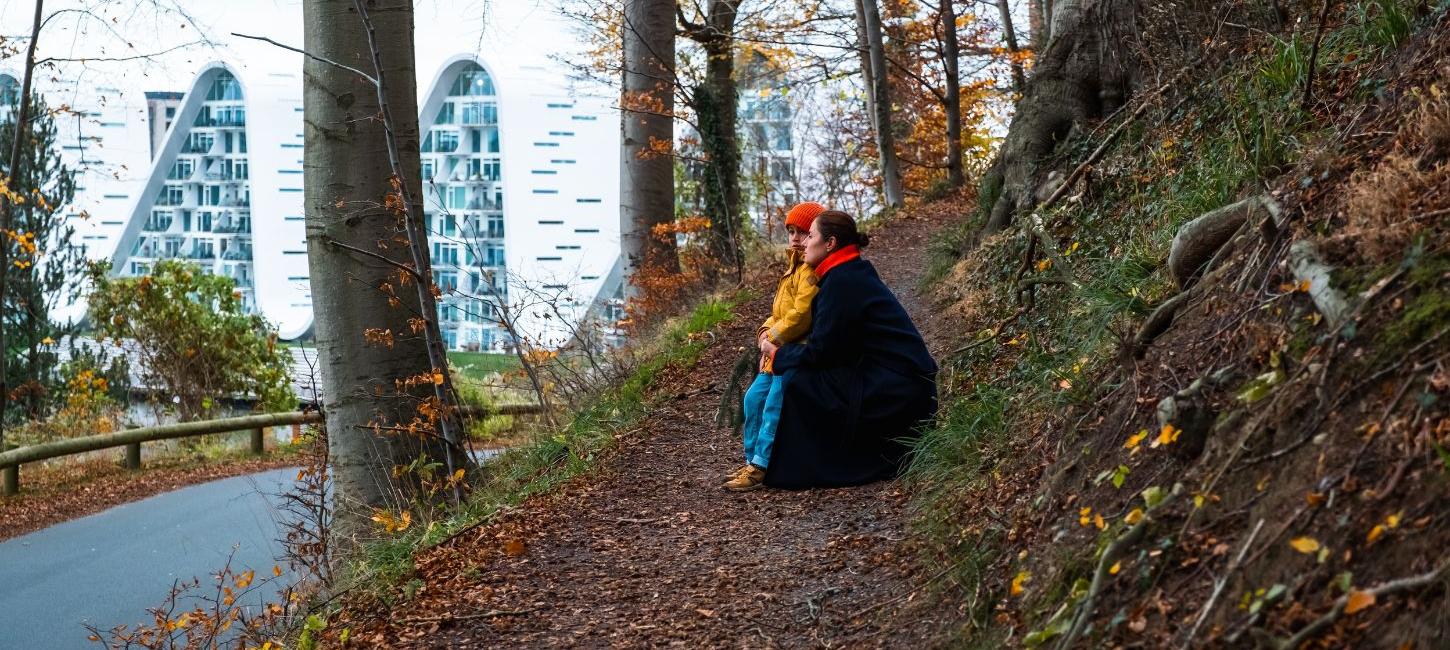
(732, 475)
(750, 478)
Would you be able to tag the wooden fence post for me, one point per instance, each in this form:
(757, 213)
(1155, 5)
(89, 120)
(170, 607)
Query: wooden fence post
(133, 456)
(258, 442)
(12, 479)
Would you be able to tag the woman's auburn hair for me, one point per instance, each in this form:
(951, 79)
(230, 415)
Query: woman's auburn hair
(834, 223)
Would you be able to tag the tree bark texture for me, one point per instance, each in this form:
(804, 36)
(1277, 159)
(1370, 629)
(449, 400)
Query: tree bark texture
(953, 104)
(1086, 72)
(1036, 33)
(716, 104)
(647, 173)
(863, 47)
(22, 129)
(1009, 35)
(371, 356)
(885, 138)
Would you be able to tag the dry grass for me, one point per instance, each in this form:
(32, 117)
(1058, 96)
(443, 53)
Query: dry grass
(1386, 204)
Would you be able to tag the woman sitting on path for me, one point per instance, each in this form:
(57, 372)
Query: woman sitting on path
(861, 385)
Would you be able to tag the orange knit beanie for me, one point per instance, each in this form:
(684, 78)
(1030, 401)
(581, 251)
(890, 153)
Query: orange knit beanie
(803, 214)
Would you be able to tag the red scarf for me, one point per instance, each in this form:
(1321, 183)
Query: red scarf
(841, 256)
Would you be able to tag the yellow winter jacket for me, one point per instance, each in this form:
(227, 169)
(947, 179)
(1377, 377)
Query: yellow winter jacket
(790, 314)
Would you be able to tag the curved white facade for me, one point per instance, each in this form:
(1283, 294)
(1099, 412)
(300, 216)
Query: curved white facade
(225, 191)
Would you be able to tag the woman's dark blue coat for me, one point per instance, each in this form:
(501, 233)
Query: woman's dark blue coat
(863, 384)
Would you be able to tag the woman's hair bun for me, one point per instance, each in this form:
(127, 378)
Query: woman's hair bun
(863, 240)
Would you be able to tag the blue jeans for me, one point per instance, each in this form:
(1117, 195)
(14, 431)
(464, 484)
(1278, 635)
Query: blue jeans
(762, 414)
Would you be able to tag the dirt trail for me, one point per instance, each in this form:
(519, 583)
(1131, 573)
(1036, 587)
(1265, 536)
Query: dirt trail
(650, 551)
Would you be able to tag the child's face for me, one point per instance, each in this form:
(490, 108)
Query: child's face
(796, 237)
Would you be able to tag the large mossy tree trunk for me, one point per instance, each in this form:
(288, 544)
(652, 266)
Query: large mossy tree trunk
(716, 104)
(647, 181)
(376, 373)
(1087, 71)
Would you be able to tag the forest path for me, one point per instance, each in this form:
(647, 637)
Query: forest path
(650, 551)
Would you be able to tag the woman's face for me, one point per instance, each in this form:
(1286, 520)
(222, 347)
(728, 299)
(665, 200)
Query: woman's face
(817, 247)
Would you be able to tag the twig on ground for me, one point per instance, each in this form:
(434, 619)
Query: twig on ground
(1220, 583)
(1384, 589)
(1110, 555)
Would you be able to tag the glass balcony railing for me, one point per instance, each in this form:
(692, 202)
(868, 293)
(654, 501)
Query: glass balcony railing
(237, 254)
(156, 226)
(233, 228)
(200, 254)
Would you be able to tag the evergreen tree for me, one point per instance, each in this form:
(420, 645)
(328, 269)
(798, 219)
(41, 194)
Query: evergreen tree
(45, 266)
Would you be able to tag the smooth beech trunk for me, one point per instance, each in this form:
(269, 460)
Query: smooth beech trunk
(362, 304)
(885, 138)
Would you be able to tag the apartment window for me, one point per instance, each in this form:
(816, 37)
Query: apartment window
(495, 226)
(549, 258)
(445, 113)
(199, 142)
(203, 221)
(446, 141)
(140, 268)
(445, 254)
(450, 226)
(171, 195)
(477, 142)
(473, 81)
(457, 198)
(492, 140)
(586, 230)
(782, 139)
(240, 170)
(242, 140)
(566, 248)
(445, 280)
(211, 195)
(427, 170)
(224, 86)
(182, 169)
(493, 255)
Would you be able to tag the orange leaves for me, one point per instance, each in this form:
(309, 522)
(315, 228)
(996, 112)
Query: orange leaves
(1358, 601)
(392, 523)
(379, 336)
(1018, 583)
(514, 548)
(1391, 522)
(1086, 517)
(1134, 440)
(1166, 436)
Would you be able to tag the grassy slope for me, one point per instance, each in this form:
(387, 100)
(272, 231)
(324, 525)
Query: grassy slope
(1029, 450)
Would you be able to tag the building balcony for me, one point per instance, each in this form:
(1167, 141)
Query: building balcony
(219, 122)
(193, 149)
(234, 254)
(233, 228)
(155, 226)
(481, 204)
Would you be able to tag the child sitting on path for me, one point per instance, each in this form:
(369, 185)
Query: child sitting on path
(789, 322)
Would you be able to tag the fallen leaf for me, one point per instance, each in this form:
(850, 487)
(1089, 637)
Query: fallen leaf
(1358, 600)
(1021, 579)
(1304, 545)
(1375, 533)
(1113, 570)
(1134, 516)
(513, 548)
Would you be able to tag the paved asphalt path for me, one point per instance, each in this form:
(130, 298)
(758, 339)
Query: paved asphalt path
(109, 568)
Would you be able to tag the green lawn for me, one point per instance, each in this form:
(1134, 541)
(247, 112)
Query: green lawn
(477, 365)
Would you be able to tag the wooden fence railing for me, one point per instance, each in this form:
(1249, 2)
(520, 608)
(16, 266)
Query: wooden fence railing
(131, 439)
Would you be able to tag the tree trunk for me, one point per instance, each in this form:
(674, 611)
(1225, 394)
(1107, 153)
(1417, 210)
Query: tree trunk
(647, 173)
(22, 128)
(863, 47)
(1036, 23)
(953, 103)
(1086, 72)
(716, 103)
(885, 139)
(1009, 34)
(374, 363)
